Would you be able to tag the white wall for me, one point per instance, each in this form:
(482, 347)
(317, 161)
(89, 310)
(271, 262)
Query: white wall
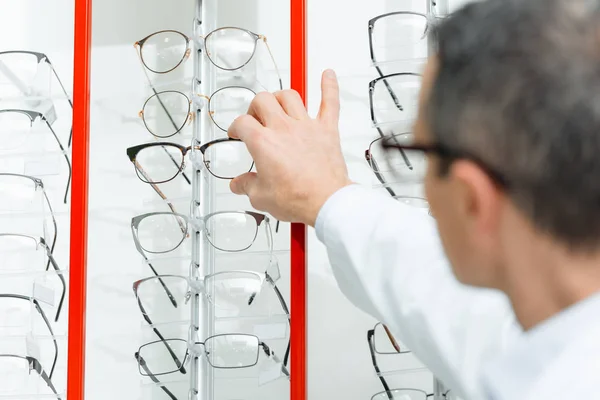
(338, 359)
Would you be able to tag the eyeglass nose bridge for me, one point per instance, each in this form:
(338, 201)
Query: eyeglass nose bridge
(197, 286)
(197, 223)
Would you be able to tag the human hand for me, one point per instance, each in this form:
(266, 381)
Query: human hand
(299, 162)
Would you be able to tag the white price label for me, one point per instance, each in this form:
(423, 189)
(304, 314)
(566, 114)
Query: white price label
(43, 293)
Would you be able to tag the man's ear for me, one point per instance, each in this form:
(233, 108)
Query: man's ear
(478, 196)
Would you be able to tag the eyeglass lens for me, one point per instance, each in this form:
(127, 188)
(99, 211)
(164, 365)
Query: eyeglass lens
(163, 51)
(166, 113)
(230, 48)
(25, 68)
(228, 159)
(158, 356)
(159, 163)
(229, 103)
(398, 37)
(229, 292)
(159, 307)
(232, 291)
(401, 106)
(161, 233)
(232, 351)
(398, 166)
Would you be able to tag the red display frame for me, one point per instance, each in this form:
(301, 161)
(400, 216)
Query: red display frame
(79, 207)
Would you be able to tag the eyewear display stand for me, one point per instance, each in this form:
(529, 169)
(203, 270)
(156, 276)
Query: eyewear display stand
(35, 180)
(199, 358)
(393, 99)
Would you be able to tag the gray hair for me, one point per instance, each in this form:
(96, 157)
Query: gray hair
(518, 86)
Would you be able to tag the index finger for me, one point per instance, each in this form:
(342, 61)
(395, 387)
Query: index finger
(246, 128)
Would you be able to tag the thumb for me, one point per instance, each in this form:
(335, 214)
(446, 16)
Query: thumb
(244, 183)
(329, 111)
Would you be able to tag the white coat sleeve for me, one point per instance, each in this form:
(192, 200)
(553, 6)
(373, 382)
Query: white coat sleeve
(388, 261)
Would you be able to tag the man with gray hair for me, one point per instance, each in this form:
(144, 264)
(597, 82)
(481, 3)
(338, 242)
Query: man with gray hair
(509, 121)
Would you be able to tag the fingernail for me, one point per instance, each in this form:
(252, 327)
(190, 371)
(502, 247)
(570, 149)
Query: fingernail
(329, 74)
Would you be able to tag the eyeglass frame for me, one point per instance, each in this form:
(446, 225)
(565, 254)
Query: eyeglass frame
(190, 115)
(38, 183)
(33, 115)
(43, 57)
(139, 44)
(40, 242)
(40, 310)
(195, 222)
(191, 352)
(450, 155)
(268, 278)
(134, 150)
(34, 364)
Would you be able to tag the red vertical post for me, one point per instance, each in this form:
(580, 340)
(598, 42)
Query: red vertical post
(79, 200)
(298, 335)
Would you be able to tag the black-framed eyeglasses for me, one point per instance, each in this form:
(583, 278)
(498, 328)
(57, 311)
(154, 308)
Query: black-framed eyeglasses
(27, 187)
(26, 241)
(20, 121)
(224, 158)
(9, 58)
(33, 364)
(167, 112)
(5, 296)
(447, 154)
(227, 48)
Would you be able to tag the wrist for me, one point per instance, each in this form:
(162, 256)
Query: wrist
(318, 201)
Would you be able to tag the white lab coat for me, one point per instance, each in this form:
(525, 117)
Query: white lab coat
(388, 261)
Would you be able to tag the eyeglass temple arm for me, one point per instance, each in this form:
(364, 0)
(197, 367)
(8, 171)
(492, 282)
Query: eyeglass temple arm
(161, 337)
(402, 153)
(62, 280)
(270, 353)
(390, 90)
(375, 167)
(370, 338)
(264, 39)
(43, 314)
(65, 93)
(286, 310)
(54, 225)
(64, 154)
(38, 368)
(392, 338)
(162, 283)
(142, 363)
(160, 193)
